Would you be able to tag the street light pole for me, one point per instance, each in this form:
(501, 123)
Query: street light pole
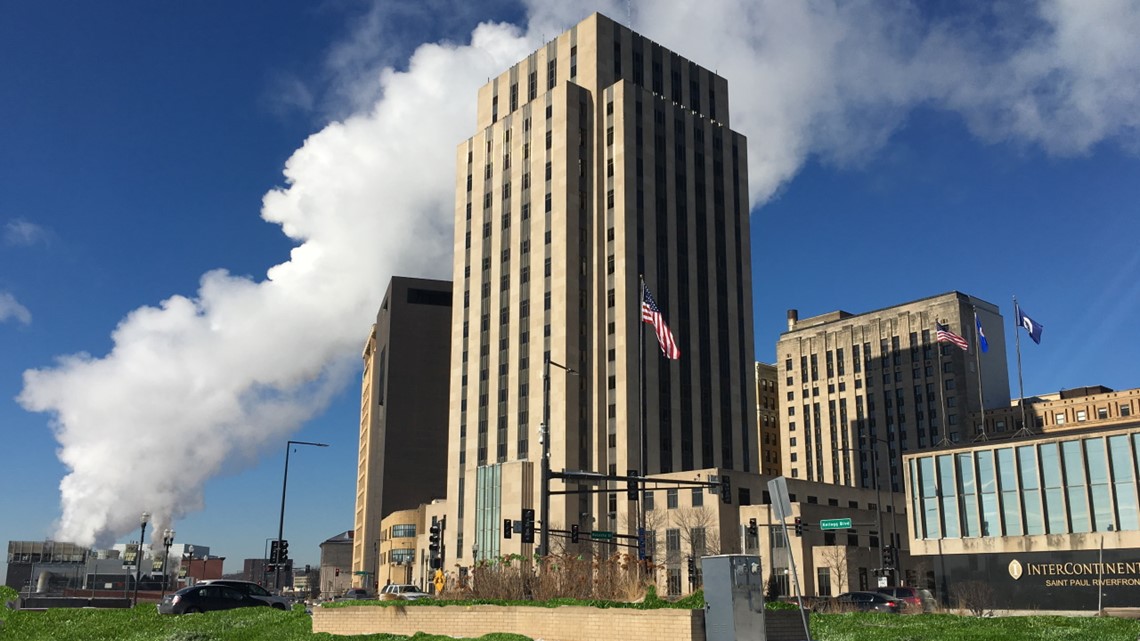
(167, 541)
(544, 436)
(138, 556)
(281, 521)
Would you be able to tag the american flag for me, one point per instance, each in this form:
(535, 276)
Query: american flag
(947, 336)
(650, 314)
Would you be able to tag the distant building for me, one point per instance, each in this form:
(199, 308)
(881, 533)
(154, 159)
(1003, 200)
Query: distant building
(336, 565)
(33, 565)
(403, 413)
(859, 387)
(56, 566)
(768, 419)
(1081, 408)
(404, 553)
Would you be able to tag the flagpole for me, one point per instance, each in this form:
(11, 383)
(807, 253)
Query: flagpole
(641, 415)
(1020, 386)
(942, 396)
(978, 361)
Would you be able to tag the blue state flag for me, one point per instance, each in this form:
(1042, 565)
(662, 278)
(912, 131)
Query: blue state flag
(1033, 327)
(985, 345)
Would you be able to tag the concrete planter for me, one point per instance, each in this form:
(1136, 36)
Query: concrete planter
(564, 623)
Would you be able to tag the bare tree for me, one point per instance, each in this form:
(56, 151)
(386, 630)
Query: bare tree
(835, 558)
(698, 530)
(977, 597)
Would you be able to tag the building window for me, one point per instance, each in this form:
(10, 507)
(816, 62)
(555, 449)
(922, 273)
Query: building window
(1125, 410)
(671, 499)
(1060, 418)
(1082, 416)
(403, 531)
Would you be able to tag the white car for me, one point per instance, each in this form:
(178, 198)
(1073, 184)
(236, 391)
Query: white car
(405, 591)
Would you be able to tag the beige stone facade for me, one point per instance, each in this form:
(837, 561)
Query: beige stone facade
(600, 157)
(1074, 409)
(856, 388)
(689, 521)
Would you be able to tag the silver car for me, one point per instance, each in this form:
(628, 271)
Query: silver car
(405, 591)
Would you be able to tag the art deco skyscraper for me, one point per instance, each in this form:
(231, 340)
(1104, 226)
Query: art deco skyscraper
(601, 157)
(856, 389)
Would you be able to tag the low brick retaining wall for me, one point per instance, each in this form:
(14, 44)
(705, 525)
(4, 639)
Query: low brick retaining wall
(565, 623)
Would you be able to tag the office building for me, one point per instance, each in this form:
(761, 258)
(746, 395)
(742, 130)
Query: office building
(1049, 521)
(600, 157)
(768, 419)
(403, 413)
(862, 389)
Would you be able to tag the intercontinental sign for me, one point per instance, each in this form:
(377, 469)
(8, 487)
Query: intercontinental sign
(1123, 573)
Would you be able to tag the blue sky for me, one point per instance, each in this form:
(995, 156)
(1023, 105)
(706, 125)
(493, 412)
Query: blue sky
(894, 154)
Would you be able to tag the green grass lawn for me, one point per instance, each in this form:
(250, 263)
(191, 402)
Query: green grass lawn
(143, 623)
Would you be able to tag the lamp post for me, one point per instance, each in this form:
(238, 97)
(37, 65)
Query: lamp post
(138, 557)
(167, 541)
(544, 437)
(281, 521)
(878, 497)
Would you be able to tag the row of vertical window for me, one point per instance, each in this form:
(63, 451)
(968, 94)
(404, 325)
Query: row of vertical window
(1075, 486)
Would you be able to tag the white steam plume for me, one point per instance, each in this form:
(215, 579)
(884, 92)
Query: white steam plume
(243, 363)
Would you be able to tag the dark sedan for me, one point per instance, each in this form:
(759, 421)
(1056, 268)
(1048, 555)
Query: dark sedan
(207, 598)
(861, 601)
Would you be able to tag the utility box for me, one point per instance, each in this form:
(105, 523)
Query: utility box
(734, 597)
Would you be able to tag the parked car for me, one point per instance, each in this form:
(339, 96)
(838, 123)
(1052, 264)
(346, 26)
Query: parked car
(354, 594)
(916, 599)
(405, 590)
(207, 598)
(254, 590)
(861, 601)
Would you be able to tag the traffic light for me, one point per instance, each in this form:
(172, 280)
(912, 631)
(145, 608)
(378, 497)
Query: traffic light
(641, 543)
(283, 551)
(434, 538)
(631, 487)
(508, 528)
(889, 556)
(274, 552)
(338, 571)
(725, 489)
(692, 563)
(574, 533)
(799, 526)
(753, 529)
(528, 525)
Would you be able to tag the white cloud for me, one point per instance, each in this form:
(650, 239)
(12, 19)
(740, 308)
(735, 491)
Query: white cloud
(24, 233)
(244, 362)
(11, 308)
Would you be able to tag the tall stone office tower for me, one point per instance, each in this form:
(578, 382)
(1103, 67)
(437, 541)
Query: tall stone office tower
(600, 157)
(859, 387)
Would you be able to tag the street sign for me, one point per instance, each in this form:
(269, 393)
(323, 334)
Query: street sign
(601, 535)
(781, 503)
(835, 524)
(882, 581)
(439, 581)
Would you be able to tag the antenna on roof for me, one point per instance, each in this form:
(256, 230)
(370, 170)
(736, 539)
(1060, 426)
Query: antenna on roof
(629, 14)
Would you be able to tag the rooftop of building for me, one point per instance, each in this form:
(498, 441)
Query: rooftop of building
(796, 324)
